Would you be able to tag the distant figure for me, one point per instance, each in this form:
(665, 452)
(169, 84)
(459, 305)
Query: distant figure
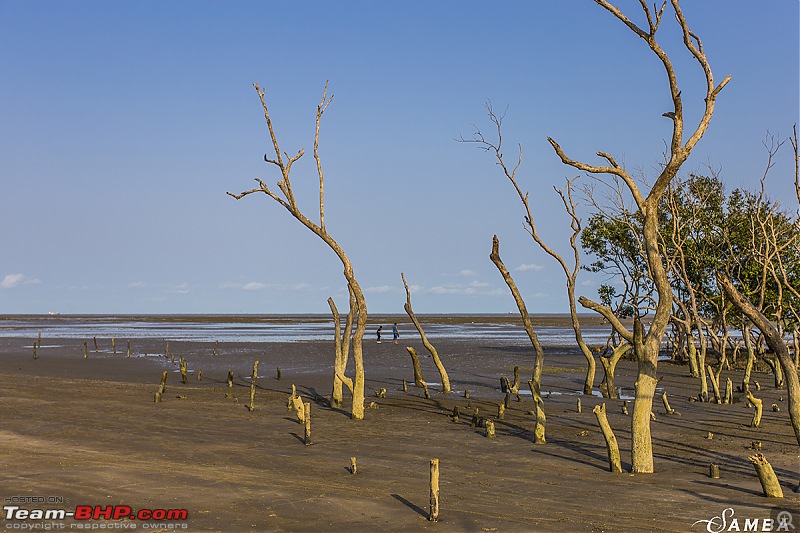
(395, 334)
(378, 333)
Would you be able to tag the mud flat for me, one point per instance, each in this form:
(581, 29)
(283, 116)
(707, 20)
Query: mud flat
(85, 431)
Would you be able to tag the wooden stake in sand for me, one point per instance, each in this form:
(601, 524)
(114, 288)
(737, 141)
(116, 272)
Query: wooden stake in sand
(113, 345)
(278, 374)
(184, 367)
(757, 404)
(85, 349)
(216, 342)
(614, 464)
(455, 414)
(129, 348)
(766, 475)
(96, 348)
(34, 351)
(199, 374)
(580, 409)
(353, 466)
(405, 386)
(166, 352)
(253, 386)
(501, 411)
(290, 402)
(434, 511)
(713, 471)
(307, 423)
(161, 387)
(230, 378)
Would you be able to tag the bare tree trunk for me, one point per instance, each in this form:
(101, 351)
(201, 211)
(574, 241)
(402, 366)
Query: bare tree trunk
(607, 386)
(425, 342)
(434, 486)
(538, 360)
(342, 348)
(766, 475)
(614, 464)
(418, 381)
(751, 356)
(775, 342)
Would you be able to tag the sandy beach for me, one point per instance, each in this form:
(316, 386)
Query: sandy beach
(86, 432)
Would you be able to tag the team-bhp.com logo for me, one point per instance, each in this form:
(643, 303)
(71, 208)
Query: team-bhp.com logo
(94, 512)
(780, 521)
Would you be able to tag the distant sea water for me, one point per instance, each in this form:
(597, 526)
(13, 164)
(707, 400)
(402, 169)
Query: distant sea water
(287, 328)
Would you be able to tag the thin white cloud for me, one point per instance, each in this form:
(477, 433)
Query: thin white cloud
(478, 284)
(380, 289)
(15, 280)
(527, 267)
(467, 273)
(258, 286)
(137, 285)
(183, 288)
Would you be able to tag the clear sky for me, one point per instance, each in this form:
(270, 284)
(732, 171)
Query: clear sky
(123, 124)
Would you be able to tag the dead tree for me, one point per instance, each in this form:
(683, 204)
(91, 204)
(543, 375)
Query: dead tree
(527, 323)
(571, 273)
(284, 162)
(646, 346)
(425, 342)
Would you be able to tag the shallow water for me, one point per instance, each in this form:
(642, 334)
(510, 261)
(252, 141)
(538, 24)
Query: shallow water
(274, 329)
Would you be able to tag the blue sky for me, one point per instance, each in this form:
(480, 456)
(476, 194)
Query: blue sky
(124, 124)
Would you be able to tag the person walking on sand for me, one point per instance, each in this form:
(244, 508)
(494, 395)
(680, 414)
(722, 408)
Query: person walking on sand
(395, 334)
(378, 333)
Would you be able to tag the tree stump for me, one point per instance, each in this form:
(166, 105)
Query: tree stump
(200, 374)
(405, 386)
(418, 381)
(579, 408)
(216, 342)
(96, 348)
(490, 429)
(541, 419)
(766, 475)
(129, 348)
(353, 466)
(184, 367)
(728, 391)
(278, 374)
(614, 464)
(230, 378)
(434, 485)
(713, 471)
(455, 414)
(113, 345)
(625, 407)
(501, 411)
(85, 349)
(466, 394)
(253, 380)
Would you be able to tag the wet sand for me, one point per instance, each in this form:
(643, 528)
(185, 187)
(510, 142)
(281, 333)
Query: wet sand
(88, 431)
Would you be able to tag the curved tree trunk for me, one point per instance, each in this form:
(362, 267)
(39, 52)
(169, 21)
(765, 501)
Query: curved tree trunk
(428, 346)
(538, 360)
